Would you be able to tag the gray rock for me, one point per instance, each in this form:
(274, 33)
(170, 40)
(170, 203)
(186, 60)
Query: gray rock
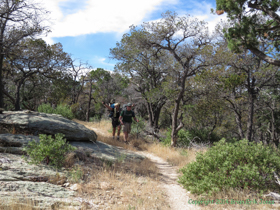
(20, 180)
(35, 122)
(108, 152)
(14, 144)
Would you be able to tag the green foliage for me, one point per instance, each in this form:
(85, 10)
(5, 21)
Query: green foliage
(76, 174)
(183, 140)
(202, 135)
(241, 164)
(252, 26)
(185, 136)
(63, 110)
(96, 118)
(52, 149)
(46, 108)
(137, 127)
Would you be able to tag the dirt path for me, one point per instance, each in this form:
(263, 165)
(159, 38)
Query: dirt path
(178, 197)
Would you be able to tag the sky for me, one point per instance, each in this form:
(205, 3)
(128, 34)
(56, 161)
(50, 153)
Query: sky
(87, 29)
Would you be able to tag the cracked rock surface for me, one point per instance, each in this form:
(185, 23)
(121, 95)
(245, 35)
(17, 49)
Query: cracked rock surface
(40, 123)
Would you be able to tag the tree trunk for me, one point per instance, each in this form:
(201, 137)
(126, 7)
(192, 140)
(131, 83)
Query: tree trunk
(272, 127)
(175, 127)
(89, 103)
(1, 80)
(17, 100)
(239, 125)
(250, 113)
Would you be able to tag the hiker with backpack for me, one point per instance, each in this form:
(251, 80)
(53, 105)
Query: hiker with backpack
(126, 120)
(115, 114)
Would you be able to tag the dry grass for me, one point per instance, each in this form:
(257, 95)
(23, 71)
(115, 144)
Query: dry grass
(124, 185)
(103, 127)
(176, 157)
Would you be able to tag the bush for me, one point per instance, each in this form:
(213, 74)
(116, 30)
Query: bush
(183, 140)
(49, 149)
(202, 134)
(185, 136)
(137, 127)
(46, 108)
(63, 110)
(242, 164)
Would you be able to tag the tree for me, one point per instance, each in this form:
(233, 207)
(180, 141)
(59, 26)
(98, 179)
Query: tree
(255, 26)
(147, 72)
(187, 41)
(102, 86)
(18, 19)
(31, 57)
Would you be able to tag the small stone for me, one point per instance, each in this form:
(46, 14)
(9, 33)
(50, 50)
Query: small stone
(75, 187)
(66, 184)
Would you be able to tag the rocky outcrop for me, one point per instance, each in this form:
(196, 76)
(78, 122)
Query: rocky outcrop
(14, 144)
(19, 180)
(40, 123)
(45, 185)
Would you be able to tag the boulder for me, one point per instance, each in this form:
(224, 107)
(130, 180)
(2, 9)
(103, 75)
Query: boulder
(10, 143)
(41, 123)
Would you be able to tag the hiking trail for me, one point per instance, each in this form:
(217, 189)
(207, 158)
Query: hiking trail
(177, 196)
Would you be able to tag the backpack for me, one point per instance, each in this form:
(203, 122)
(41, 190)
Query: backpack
(111, 115)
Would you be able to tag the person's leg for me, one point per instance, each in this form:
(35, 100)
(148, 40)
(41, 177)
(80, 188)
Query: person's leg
(125, 131)
(128, 130)
(125, 136)
(114, 128)
(119, 131)
(114, 131)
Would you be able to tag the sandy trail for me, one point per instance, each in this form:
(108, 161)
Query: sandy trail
(177, 195)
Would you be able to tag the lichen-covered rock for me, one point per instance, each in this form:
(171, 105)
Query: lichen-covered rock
(41, 123)
(19, 180)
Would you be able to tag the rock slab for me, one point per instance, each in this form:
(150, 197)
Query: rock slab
(50, 124)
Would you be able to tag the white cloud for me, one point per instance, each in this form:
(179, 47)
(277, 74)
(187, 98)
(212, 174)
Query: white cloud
(99, 16)
(202, 12)
(101, 60)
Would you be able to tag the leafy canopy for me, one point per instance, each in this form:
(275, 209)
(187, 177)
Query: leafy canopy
(254, 23)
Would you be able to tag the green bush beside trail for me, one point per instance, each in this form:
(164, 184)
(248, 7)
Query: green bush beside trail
(53, 149)
(242, 164)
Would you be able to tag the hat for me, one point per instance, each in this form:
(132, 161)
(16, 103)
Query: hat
(129, 104)
(117, 104)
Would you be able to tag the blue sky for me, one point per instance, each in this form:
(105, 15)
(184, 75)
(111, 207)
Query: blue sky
(87, 29)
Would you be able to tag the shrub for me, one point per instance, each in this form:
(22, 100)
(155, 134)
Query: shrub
(183, 140)
(202, 134)
(137, 127)
(63, 110)
(46, 108)
(76, 174)
(242, 164)
(53, 150)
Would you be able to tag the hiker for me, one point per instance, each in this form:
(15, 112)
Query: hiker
(126, 120)
(115, 114)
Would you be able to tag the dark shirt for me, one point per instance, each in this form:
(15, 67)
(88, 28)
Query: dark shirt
(127, 116)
